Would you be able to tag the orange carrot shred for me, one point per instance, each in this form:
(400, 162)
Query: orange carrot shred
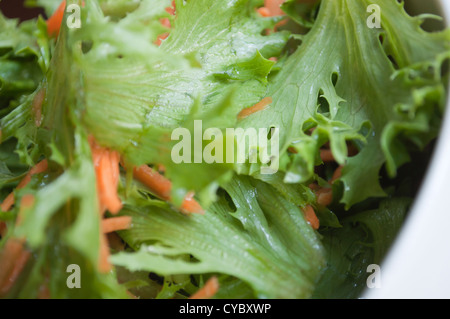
(37, 107)
(104, 266)
(113, 224)
(172, 10)
(55, 21)
(19, 265)
(13, 259)
(324, 196)
(261, 105)
(40, 167)
(14, 256)
(37, 169)
(153, 180)
(165, 22)
(274, 7)
(326, 155)
(162, 187)
(26, 202)
(191, 206)
(208, 290)
(311, 217)
(8, 202)
(160, 38)
(265, 12)
(106, 163)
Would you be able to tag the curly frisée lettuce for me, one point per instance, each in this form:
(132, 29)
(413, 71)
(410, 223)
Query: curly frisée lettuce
(244, 238)
(87, 176)
(355, 83)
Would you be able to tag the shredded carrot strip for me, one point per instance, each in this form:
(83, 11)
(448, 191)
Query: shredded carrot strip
(8, 202)
(113, 224)
(106, 163)
(208, 290)
(172, 10)
(274, 7)
(26, 202)
(108, 182)
(55, 21)
(160, 38)
(324, 196)
(37, 169)
(261, 105)
(326, 155)
(114, 158)
(14, 256)
(13, 259)
(165, 22)
(311, 217)
(37, 107)
(104, 266)
(265, 12)
(191, 206)
(20, 263)
(162, 187)
(153, 180)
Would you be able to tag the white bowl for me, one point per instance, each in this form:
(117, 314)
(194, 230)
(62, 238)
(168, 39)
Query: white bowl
(418, 264)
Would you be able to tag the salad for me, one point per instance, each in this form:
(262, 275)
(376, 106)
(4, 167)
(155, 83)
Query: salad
(211, 148)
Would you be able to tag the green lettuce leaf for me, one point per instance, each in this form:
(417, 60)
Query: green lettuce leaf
(20, 72)
(135, 94)
(342, 82)
(250, 231)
